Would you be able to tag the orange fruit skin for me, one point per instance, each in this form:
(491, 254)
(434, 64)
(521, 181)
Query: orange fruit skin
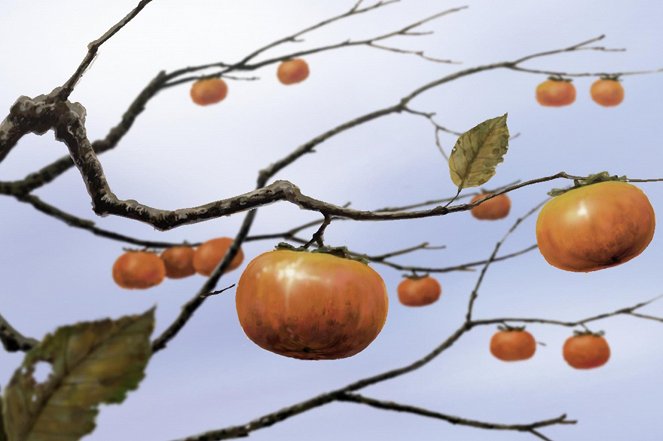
(553, 93)
(292, 71)
(607, 93)
(586, 351)
(138, 270)
(310, 306)
(512, 345)
(493, 209)
(209, 91)
(178, 262)
(419, 291)
(209, 255)
(595, 227)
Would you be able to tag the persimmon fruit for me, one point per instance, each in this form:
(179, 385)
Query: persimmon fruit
(178, 262)
(208, 256)
(586, 351)
(556, 93)
(310, 305)
(512, 344)
(493, 209)
(138, 270)
(419, 291)
(209, 91)
(292, 71)
(607, 92)
(596, 226)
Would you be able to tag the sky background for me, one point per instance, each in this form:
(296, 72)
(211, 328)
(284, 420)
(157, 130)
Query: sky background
(179, 155)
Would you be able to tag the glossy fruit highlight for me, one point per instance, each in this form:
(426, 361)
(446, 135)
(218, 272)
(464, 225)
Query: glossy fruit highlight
(310, 305)
(595, 227)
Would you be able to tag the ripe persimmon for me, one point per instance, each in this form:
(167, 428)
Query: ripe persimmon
(586, 351)
(208, 256)
(209, 91)
(138, 270)
(178, 262)
(419, 291)
(556, 92)
(311, 305)
(493, 209)
(595, 226)
(512, 344)
(292, 71)
(607, 92)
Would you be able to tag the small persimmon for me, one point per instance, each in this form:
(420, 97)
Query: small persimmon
(492, 209)
(292, 71)
(586, 351)
(208, 256)
(555, 92)
(138, 270)
(607, 92)
(178, 262)
(209, 91)
(419, 291)
(512, 344)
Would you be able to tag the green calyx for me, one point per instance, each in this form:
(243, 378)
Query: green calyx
(341, 252)
(586, 332)
(560, 78)
(591, 179)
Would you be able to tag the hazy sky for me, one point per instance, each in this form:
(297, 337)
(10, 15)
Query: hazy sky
(180, 155)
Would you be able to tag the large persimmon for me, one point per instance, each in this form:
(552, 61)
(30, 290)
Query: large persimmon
(138, 270)
(419, 291)
(311, 305)
(608, 92)
(512, 344)
(209, 255)
(595, 226)
(586, 351)
(556, 92)
(492, 209)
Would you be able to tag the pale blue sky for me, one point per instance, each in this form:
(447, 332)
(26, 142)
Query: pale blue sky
(179, 155)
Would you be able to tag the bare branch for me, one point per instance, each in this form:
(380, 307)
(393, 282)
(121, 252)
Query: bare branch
(93, 48)
(491, 259)
(397, 407)
(190, 308)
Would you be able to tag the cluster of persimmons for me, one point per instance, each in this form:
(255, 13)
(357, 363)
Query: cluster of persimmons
(213, 90)
(557, 91)
(145, 269)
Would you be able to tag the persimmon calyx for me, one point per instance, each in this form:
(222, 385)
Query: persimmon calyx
(603, 176)
(341, 252)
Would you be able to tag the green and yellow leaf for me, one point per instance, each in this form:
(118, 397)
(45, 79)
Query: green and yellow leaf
(92, 363)
(478, 152)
